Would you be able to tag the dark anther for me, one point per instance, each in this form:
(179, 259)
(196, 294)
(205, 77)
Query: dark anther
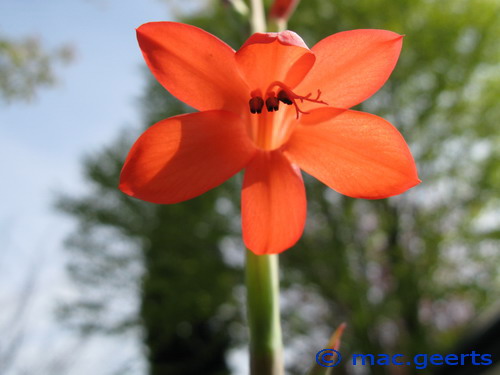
(283, 96)
(256, 104)
(272, 103)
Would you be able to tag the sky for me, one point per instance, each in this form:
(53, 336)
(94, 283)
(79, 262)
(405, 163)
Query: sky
(42, 144)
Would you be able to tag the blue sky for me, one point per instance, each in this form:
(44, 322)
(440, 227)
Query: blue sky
(42, 144)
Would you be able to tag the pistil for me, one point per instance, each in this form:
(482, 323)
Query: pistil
(285, 95)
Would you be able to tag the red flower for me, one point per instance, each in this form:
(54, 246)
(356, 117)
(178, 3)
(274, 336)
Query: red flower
(272, 107)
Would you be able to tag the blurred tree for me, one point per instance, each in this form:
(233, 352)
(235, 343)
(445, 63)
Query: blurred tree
(25, 66)
(407, 273)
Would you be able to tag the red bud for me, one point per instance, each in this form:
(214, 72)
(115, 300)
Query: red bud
(283, 9)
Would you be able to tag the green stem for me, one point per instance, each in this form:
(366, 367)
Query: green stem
(282, 24)
(258, 20)
(262, 279)
(240, 7)
(278, 25)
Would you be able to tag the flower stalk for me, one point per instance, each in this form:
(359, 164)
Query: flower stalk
(262, 281)
(258, 18)
(240, 7)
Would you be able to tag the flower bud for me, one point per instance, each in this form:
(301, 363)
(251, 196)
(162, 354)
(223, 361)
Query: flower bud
(283, 9)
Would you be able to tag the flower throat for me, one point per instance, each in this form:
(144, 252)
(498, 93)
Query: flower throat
(284, 95)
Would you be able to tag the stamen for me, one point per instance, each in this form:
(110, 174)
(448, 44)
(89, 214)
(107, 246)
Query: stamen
(256, 104)
(272, 103)
(287, 96)
(283, 97)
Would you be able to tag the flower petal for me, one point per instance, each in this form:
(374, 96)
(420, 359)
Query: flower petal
(184, 156)
(357, 154)
(265, 58)
(352, 65)
(193, 65)
(273, 204)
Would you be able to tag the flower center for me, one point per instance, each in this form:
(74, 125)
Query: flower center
(272, 127)
(284, 94)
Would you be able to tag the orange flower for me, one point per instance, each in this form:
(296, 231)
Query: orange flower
(272, 107)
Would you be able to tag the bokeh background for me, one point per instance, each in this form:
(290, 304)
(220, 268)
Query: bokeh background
(95, 282)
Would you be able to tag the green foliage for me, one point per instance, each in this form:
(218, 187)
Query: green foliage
(25, 66)
(407, 274)
(399, 270)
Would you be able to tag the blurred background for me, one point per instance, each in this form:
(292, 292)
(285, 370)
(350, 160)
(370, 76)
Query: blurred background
(95, 282)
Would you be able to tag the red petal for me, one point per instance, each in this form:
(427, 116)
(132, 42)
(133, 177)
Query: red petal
(184, 156)
(357, 154)
(273, 204)
(193, 65)
(265, 58)
(352, 65)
